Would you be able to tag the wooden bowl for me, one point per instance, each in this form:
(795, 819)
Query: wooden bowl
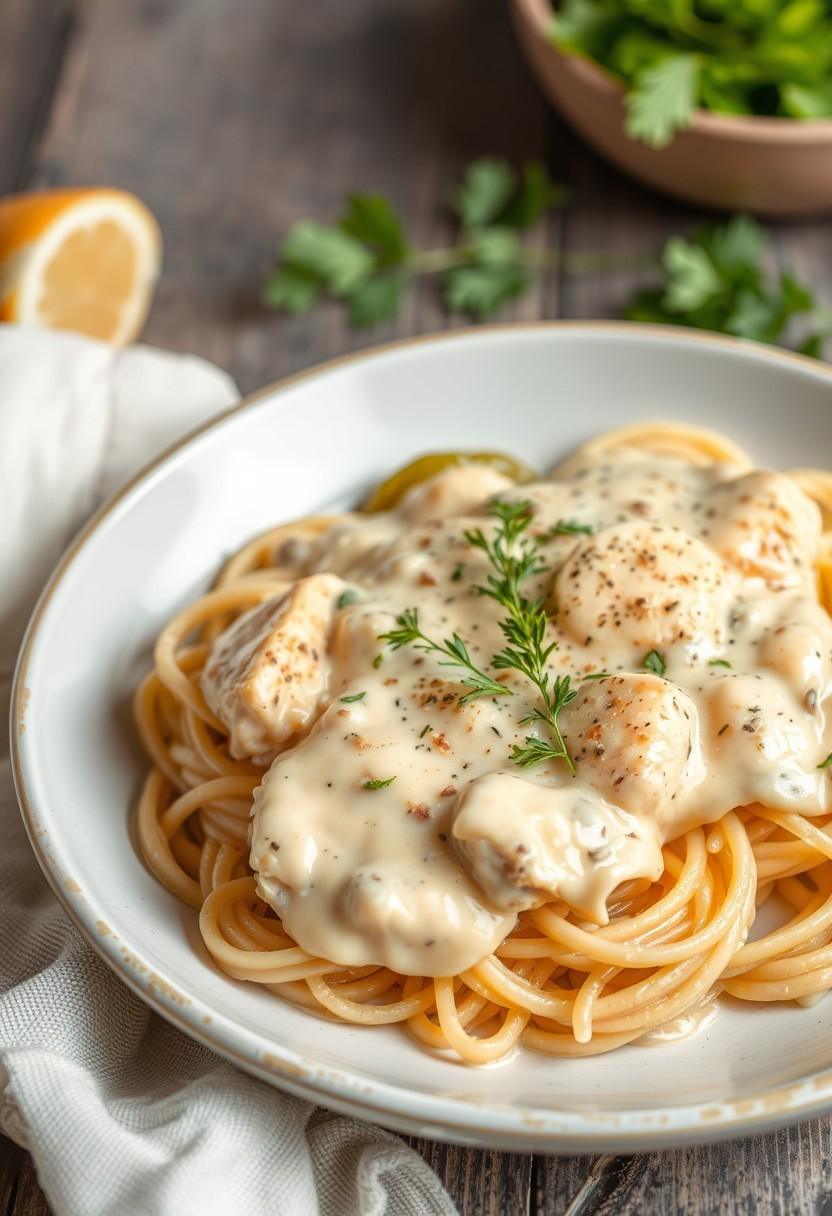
(773, 166)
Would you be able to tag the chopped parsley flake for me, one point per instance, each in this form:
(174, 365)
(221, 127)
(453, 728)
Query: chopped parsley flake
(378, 784)
(570, 527)
(356, 696)
(654, 662)
(346, 598)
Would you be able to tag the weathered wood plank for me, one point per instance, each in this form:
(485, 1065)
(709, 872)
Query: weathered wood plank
(234, 120)
(481, 1184)
(33, 36)
(783, 1174)
(11, 1163)
(29, 1199)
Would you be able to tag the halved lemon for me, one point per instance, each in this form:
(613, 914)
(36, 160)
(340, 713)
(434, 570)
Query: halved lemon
(85, 260)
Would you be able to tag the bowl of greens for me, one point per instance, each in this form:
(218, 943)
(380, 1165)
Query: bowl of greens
(724, 103)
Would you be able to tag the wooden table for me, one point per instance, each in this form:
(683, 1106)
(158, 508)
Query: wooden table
(232, 118)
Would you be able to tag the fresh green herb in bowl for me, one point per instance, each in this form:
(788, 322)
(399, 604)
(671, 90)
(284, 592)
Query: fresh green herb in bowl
(724, 103)
(770, 58)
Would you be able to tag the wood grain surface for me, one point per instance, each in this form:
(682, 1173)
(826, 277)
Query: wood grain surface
(234, 119)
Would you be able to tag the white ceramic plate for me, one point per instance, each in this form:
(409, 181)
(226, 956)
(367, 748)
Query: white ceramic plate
(324, 438)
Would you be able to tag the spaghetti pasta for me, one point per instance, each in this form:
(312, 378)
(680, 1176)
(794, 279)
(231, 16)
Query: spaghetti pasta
(558, 980)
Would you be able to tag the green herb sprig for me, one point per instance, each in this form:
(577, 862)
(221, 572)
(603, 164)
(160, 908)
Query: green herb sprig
(368, 261)
(379, 783)
(770, 58)
(719, 280)
(524, 628)
(409, 633)
(514, 557)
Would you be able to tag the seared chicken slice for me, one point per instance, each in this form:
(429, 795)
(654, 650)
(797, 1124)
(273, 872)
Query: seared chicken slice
(525, 842)
(268, 672)
(765, 526)
(636, 741)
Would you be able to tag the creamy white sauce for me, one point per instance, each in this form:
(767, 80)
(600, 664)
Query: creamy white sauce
(428, 874)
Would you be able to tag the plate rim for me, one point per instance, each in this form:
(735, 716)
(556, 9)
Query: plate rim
(477, 1124)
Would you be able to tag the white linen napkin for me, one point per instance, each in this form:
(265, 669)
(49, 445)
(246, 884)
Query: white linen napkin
(121, 1112)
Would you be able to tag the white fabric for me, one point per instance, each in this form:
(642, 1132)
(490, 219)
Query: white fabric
(122, 1113)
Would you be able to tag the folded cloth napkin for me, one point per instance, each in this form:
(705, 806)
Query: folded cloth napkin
(122, 1113)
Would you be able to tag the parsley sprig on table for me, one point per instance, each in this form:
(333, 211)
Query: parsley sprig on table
(367, 260)
(769, 58)
(514, 557)
(717, 279)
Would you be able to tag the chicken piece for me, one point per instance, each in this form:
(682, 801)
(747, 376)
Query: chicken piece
(455, 491)
(765, 526)
(642, 584)
(636, 740)
(267, 674)
(766, 747)
(798, 647)
(526, 843)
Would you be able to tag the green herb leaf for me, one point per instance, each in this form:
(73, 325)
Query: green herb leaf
(482, 290)
(371, 219)
(807, 101)
(663, 99)
(486, 188)
(378, 784)
(459, 570)
(827, 762)
(737, 245)
(378, 660)
(375, 300)
(718, 663)
(291, 289)
(569, 527)
(356, 696)
(336, 258)
(495, 247)
(536, 195)
(597, 675)
(346, 598)
(654, 662)
(692, 278)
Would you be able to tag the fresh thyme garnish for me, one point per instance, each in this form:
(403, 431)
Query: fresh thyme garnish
(346, 597)
(455, 651)
(459, 570)
(718, 663)
(378, 660)
(826, 763)
(597, 675)
(514, 557)
(654, 662)
(524, 628)
(570, 527)
(378, 784)
(356, 696)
